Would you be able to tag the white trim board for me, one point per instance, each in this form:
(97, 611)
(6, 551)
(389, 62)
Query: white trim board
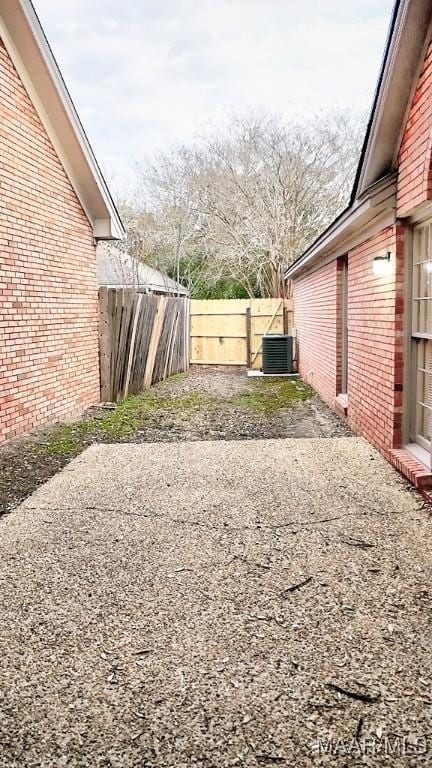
(252, 373)
(366, 233)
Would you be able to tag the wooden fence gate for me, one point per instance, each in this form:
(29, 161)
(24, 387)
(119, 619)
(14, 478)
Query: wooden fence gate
(142, 339)
(229, 332)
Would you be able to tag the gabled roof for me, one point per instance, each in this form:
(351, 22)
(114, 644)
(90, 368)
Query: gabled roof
(378, 159)
(33, 59)
(117, 269)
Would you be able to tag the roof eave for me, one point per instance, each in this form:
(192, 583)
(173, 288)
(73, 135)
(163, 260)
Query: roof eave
(33, 59)
(407, 35)
(378, 199)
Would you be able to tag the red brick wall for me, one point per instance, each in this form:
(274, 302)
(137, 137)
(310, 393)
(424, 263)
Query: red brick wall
(316, 318)
(415, 169)
(48, 298)
(375, 337)
(375, 315)
(375, 328)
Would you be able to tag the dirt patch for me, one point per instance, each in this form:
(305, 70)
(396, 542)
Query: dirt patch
(206, 404)
(210, 404)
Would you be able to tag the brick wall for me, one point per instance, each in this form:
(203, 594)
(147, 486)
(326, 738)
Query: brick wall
(375, 325)
(375, 313)
(375, 337)
(48, 298)
(316, 317)
(415, 169)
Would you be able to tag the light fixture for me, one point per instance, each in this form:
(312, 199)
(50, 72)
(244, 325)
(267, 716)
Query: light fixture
(381, 265)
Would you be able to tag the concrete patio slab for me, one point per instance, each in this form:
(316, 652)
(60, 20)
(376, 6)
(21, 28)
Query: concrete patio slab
(217, 604)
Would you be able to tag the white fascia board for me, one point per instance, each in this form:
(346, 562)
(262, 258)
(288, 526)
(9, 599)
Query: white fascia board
(380, 201)
(372, 228)
(107, 229)
(353, 219)
(31, 55)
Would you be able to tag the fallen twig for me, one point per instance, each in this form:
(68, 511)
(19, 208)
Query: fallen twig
(353, 542)
(357, 695)
(305, 523)
(294, 587)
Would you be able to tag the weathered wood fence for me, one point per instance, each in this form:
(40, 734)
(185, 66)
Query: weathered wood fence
(142, 339)
(229, 332)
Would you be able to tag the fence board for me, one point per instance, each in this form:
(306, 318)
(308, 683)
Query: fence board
(142, 339)
(230, 331)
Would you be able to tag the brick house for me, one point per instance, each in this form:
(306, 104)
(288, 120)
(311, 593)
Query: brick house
(54, 207)
(363, 289)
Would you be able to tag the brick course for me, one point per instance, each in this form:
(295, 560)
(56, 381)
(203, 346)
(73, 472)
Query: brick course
(48, 293)
(415, 154)
(316, 319)
(375, 329)
(375, 348)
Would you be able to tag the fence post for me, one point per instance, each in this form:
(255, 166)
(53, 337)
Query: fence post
(248, 338)
(187, 333)
(285, 320)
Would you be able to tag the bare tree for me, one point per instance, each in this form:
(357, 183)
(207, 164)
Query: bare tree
(244, 204)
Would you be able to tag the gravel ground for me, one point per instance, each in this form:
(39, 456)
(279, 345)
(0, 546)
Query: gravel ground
(222, 419)
(204, 405)
(192, 604)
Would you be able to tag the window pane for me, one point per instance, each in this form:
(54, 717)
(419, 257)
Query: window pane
(418, 250)
(424, 390)
(415, 317)
(422, 280)
(416, 281)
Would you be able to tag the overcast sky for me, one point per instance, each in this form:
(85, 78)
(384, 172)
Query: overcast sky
(145, 74)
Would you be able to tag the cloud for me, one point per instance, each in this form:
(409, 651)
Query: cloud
(145, 75)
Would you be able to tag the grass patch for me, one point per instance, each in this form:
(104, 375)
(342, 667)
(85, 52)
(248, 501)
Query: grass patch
(270, 396)
(5, 478)
(118, 424)
(262, 395)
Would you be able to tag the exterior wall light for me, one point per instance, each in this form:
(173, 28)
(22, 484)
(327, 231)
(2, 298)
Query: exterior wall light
(382, 265)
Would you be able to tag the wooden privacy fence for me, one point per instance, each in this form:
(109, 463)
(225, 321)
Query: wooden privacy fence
(229, 332)
(142, 339)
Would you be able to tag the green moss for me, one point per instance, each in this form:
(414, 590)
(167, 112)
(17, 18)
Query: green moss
(64, 439)
(178, 377)
(150, 407)
(118, 424)
(185, 402)
(5, 478)
(271, 395)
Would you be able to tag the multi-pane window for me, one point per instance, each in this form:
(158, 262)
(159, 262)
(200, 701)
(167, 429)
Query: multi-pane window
(422, 331)
(424, 392)
(422, 281)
